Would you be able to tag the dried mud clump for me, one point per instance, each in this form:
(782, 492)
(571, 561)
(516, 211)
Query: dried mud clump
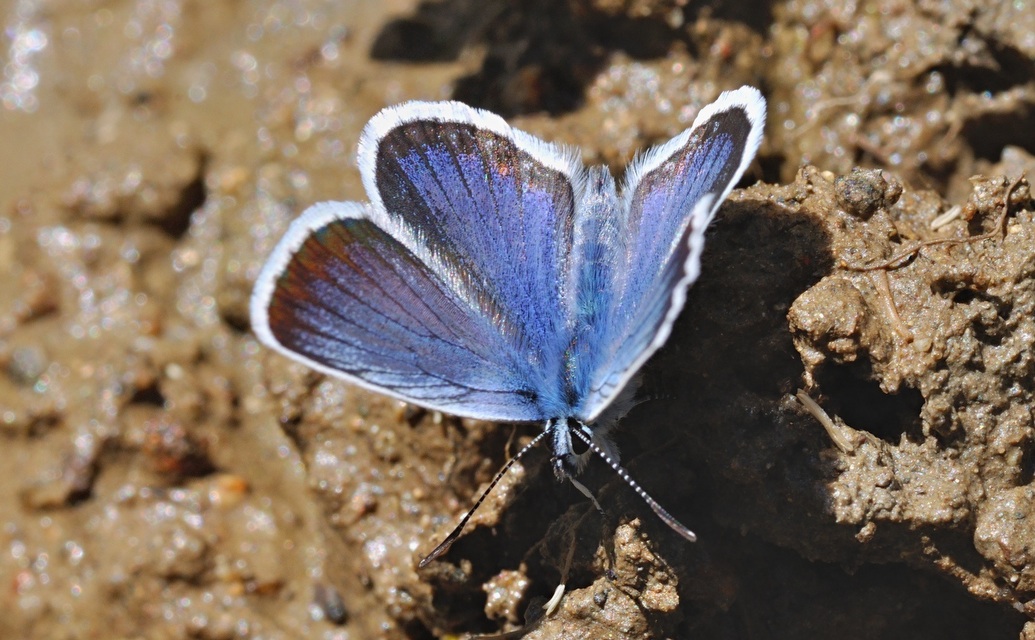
(920, 345)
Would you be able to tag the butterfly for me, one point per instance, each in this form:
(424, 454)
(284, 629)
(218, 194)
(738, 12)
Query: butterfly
(493, 276)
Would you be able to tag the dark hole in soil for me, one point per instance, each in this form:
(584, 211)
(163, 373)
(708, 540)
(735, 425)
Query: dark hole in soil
(854, 395)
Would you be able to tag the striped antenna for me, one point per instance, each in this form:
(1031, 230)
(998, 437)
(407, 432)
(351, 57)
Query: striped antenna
(455, 533)
(665, 516)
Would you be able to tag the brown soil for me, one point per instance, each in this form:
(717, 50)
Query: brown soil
(166, 477)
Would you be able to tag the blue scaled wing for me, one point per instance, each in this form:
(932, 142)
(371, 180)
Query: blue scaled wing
(446, 289)
(347, 299)
(669, 196)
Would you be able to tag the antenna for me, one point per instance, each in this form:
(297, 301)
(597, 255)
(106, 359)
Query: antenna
(455, 533)
(665, 516)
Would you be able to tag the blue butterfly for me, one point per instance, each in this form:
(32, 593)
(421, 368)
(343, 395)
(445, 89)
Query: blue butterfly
(495, 277)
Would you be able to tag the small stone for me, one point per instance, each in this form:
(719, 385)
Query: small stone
(865, 191)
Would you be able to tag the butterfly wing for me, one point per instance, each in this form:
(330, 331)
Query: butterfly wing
(446, 289)
(669, 196)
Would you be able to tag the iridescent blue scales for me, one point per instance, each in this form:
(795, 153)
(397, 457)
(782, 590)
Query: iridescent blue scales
(493, 276)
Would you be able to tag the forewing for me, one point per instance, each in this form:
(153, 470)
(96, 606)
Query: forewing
(669, 197)
(490, 210)
(342, 296)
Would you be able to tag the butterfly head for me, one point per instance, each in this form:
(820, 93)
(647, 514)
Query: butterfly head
(570, 455)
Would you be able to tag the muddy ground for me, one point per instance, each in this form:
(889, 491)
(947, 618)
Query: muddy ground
(165, 477)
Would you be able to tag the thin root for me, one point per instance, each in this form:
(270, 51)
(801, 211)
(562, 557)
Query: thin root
(883, 284)
(835, 432)
(911, 251)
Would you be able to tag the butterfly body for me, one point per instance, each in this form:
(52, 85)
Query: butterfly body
(491, 275)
